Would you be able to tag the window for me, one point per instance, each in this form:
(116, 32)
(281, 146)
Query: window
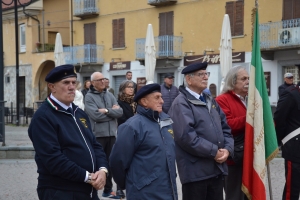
(235, 10)
(291, 9)
(22, 30)
(118, 33)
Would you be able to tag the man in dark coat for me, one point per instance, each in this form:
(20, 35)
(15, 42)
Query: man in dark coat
(287, 124)
(71, 163)
(288, 81)
(168, 91)
(143, 157)
(202, 136)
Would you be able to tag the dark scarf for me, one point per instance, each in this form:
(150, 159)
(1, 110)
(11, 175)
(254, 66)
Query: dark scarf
(129, 99)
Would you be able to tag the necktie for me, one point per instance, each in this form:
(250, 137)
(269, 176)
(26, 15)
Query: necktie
(70, 110)
(202, 98)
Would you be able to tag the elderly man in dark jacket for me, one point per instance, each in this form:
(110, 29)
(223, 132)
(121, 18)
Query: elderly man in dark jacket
(168, 91)
(71, 163)
(287, 121)
(202, 137)
(143, 157)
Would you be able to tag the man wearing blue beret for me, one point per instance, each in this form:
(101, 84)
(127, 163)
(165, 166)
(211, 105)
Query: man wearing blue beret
(202, 137)
(71, 163)
(143, 157)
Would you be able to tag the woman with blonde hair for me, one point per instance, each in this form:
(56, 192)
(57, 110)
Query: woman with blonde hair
(78, 100)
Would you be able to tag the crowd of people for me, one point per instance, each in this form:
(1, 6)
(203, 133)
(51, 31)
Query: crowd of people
(84, 139)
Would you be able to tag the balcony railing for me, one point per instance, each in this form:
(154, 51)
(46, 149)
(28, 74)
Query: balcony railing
(161, 2)
(282, 34)
(88, 53)
(166, 46)
(86, 8)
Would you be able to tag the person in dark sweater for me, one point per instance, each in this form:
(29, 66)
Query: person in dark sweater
(70, 162)
(288, 81)
(125, 100)
(168, 91)
(86, 87)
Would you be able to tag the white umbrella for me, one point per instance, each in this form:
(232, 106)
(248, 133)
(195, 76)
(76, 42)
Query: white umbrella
(150, 57)
(59, 56)
(225, 49)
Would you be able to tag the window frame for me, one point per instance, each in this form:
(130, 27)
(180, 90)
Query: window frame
(22, 42)
(236, 17)
(118, 33)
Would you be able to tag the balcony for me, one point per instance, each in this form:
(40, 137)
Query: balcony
(84, 54)
(161, 2)
(85, 8)
(280, 35)
(167, 46)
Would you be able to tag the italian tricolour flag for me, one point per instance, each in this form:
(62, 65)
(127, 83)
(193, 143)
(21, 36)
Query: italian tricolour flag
(260, 139)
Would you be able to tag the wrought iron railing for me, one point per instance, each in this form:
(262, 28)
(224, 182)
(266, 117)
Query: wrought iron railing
(88, 53)
(285, 33)
(166, 46)
(82, 7)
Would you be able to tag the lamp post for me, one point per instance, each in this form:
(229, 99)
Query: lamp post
(2, 122)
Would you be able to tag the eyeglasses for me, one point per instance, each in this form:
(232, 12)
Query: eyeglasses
(202, 74)
(289, 77)
(99, 80)
(131, 87)
(244, 79)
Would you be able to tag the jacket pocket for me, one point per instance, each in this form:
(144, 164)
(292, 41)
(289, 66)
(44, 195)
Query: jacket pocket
(146, 181)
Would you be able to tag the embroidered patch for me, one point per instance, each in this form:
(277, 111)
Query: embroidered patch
(171, 132)
(83, 121)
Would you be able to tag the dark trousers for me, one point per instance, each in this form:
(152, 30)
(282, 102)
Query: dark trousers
(46, 194)
(233, 183)
(292, 181)
(209, 189)
(107, 145)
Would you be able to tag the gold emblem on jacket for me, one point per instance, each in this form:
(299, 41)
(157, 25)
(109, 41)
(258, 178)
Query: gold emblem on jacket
(171, 132)
(83, 121)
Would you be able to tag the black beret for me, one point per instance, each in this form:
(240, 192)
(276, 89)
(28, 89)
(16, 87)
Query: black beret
(168, 75)
(61, 72)
(194, 67)
(147, 89)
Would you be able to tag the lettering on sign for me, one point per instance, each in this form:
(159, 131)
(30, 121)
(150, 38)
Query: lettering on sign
(237, 57)
(120, 65)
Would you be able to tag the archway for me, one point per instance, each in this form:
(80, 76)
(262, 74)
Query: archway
(40, 83)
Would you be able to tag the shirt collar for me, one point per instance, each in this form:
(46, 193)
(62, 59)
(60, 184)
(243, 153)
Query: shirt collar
(196, 95)
(60, 103)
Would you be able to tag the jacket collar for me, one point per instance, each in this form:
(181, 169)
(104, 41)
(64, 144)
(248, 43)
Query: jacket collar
(151, 114)
(93, 90)
(57, 107)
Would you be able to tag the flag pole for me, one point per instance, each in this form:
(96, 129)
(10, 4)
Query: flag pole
(268, 167)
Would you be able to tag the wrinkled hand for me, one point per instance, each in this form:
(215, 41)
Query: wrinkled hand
(115, 107)
(223, 158)
(98, 180)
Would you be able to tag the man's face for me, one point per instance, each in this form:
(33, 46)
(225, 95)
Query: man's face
(153, 101)
(289, 80)
(129, 76)
(169, 81)
(242, 83)
(64, 90)
(198, 81)
(98, 82)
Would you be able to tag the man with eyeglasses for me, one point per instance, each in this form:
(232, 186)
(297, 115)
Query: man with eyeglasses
(288, 81)
(103, 111)
(203, 140)
(233, 101)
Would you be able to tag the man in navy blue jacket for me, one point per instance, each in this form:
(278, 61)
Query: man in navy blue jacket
(71, 163)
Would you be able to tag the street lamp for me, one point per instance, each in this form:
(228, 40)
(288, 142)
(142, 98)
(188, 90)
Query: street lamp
(2, 122)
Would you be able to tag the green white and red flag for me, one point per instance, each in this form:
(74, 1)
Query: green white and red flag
(260, 138)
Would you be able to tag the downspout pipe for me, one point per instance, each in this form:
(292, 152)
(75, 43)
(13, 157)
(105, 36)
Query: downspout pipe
(37, 20)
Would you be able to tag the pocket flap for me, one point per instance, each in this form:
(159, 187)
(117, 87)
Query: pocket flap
(146, 181)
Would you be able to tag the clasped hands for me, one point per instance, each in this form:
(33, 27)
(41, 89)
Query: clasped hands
(222, 155)
(98, 179)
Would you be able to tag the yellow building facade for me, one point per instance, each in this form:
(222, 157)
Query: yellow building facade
(37, 28)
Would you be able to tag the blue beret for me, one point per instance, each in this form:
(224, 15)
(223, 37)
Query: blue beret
(147, 89)
(194, 67)
(61, 72)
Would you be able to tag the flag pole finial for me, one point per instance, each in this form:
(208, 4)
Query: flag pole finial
(256, 4)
